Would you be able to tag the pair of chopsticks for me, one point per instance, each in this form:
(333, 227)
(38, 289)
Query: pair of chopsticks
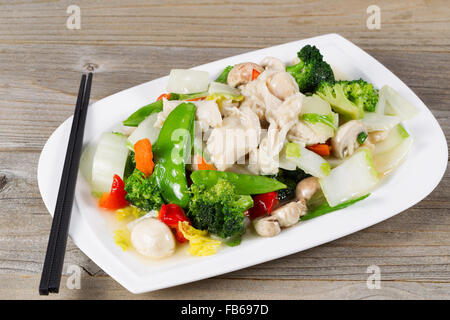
(54, 258)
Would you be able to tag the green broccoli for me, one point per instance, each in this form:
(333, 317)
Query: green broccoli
(311, 69)
(349, 98)
(143, 192)
(218, 209)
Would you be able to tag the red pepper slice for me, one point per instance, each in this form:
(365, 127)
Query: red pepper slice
(171, 214)
(263, 204)
(116, 198)
(255, 74)
(164, 95)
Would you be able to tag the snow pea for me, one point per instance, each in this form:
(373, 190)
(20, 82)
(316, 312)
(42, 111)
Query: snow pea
(171, 151)
(142, 113)
(245, 184)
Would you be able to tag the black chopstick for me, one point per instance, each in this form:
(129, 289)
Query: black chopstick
(54, 258)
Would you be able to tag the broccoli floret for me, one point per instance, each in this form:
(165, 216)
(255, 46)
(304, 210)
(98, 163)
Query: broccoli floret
(290, 178)
(311, 69)
(143, 192)
(218, 209)
(349, 98)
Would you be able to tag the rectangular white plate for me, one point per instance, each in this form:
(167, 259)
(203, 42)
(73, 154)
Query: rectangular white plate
(409, 184)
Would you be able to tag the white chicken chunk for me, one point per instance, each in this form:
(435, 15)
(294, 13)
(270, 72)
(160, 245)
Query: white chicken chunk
(265, 160)
(238, 135)
(207, 113)
(286, 112)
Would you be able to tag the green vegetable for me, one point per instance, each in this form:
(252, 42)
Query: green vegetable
(222, 78)
(218, 208)
(324, 208)
(129, 166)
(362, 137)
(290, 178)
(293, 150)
(171, 150)
(320, 118)
(311, 69)
(143, 192)
(136, 118)
(234, 240)
(244, 183)
(349, 98)
(188, 96)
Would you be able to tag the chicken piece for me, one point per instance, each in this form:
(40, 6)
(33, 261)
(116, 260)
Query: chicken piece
(238, 135)
(258, 97)
(286, 112)
(265, 159)
(207, 113)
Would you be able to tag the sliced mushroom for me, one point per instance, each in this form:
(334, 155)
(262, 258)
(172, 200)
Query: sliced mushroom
(152, 238)
(307, 188)
(267, 226)
(281, 85)
(242, 73)
(290, 213)
(344, 142)
(273, 64)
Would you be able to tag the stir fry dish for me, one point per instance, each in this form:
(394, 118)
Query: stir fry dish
(260, 149)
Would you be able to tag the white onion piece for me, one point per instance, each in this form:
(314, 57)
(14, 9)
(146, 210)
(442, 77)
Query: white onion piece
(387, 161)
(146, 129)
(315, 104)
(187, 81)
(217, 88)
(308, 161)
(109, 159)
(379, 122)
(394, 138)
(353, 178)
(397, 105)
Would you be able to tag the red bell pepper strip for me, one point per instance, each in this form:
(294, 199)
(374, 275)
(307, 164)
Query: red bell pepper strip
(263, 204)
(322, 149)
(171, 214)
(116, 198)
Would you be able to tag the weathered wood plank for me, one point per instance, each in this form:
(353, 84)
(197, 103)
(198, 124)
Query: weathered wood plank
(216, 288)
(413, 25)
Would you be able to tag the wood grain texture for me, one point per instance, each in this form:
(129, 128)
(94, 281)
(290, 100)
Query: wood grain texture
(130, 42)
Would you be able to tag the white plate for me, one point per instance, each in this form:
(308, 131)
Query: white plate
(410, 183)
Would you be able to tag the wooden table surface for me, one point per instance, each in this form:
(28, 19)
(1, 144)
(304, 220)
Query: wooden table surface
(131, 42)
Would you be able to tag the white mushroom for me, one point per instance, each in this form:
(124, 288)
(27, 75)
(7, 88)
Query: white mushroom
(242, 73)
(307, 188)
(290, 213)
(152, 238)
(273, 64)
(267, 226)
(345, 142)
(282, 85)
